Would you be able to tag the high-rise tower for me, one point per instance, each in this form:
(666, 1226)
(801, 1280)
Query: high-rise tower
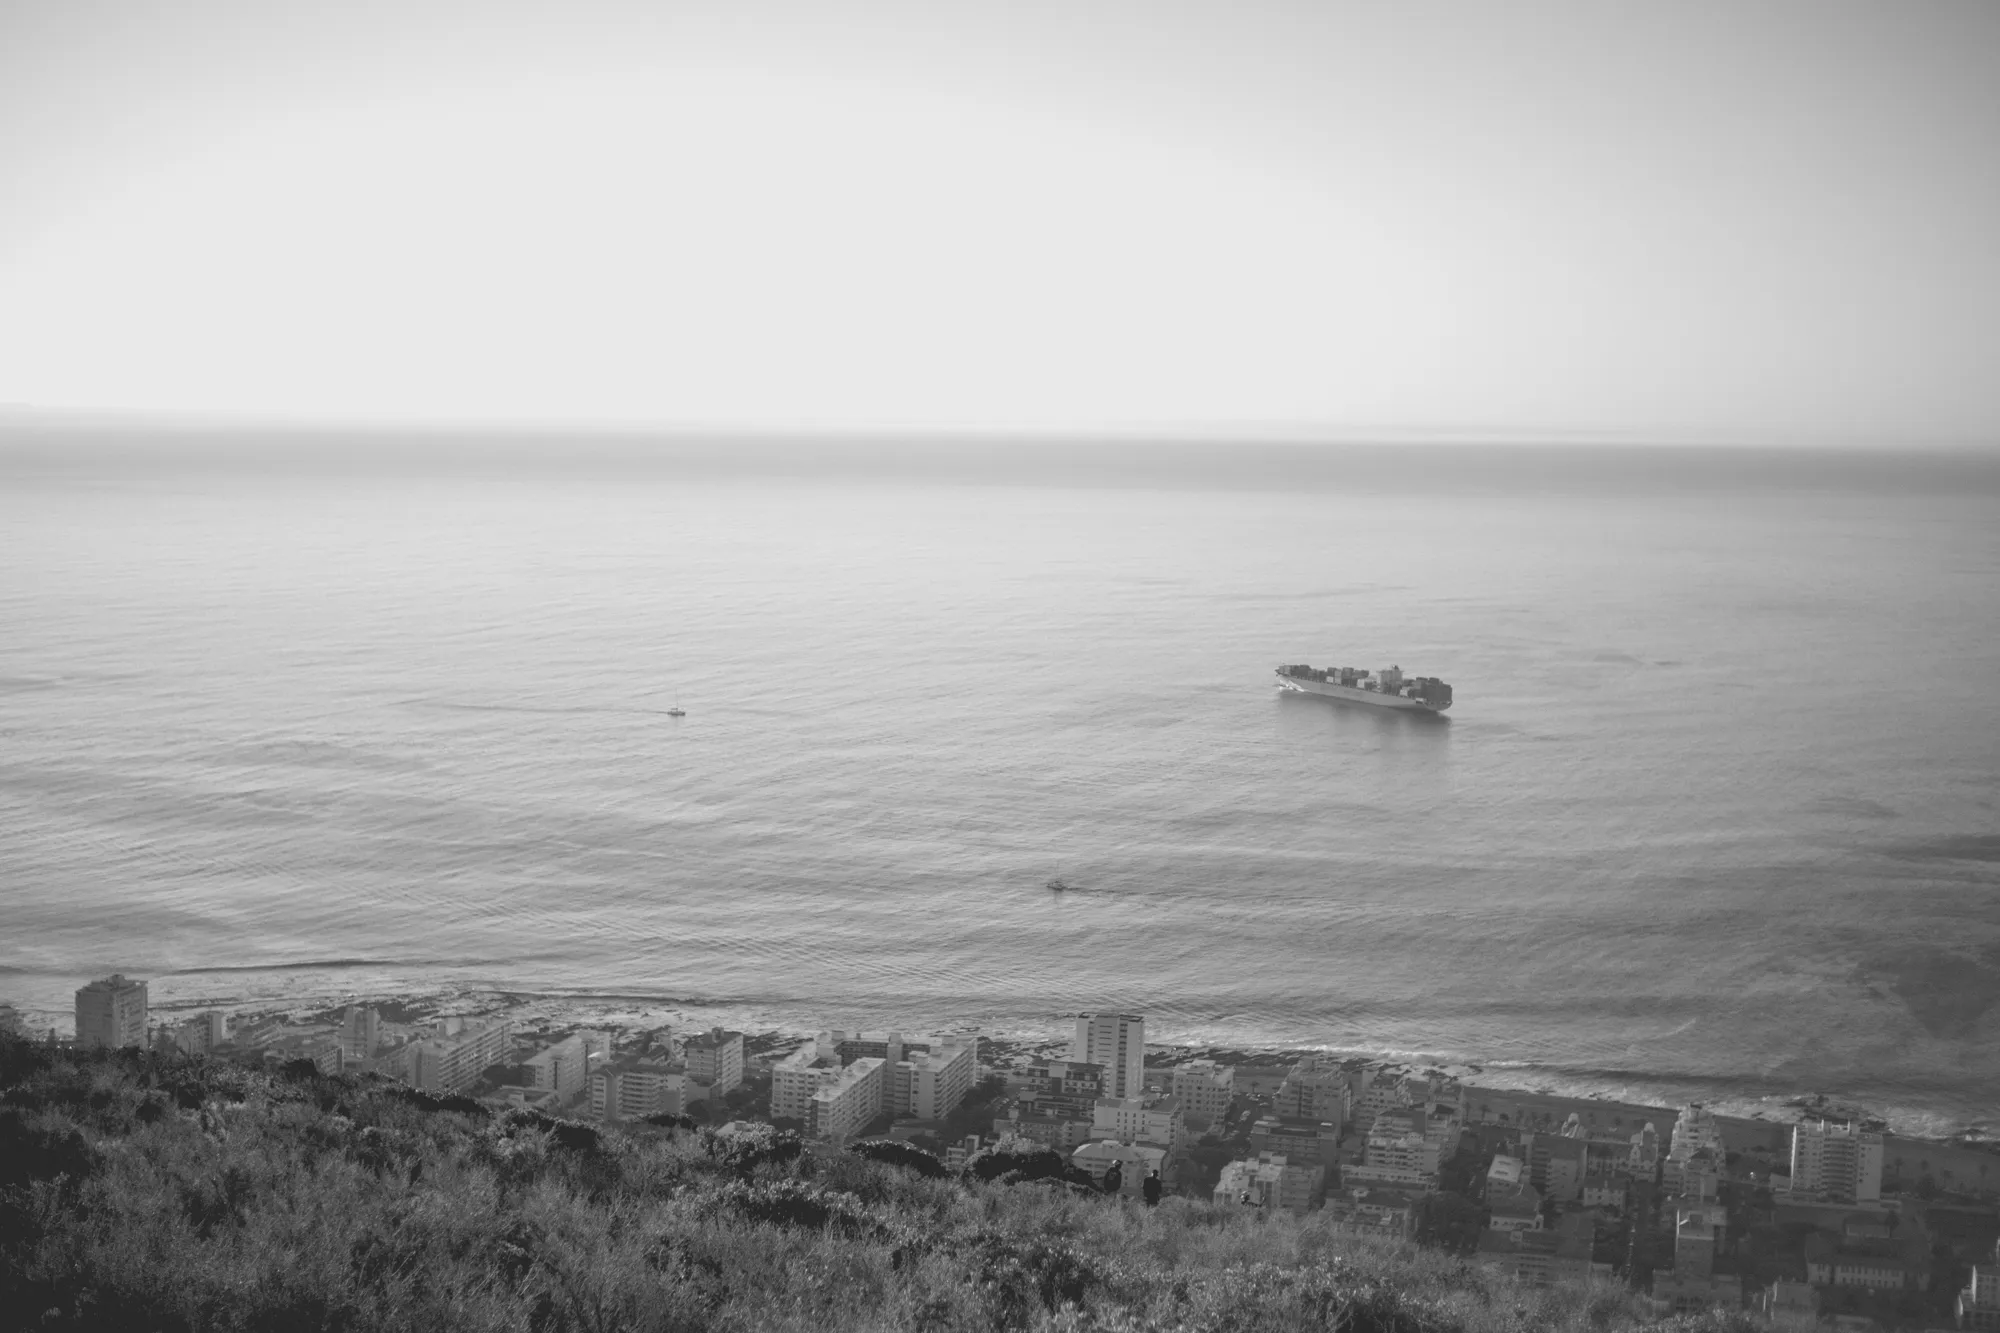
(111, 1012)
(1118, 1042)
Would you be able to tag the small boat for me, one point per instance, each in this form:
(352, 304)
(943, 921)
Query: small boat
(677, 711)
(1057, 886)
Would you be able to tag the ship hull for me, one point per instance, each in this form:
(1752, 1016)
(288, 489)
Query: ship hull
(1355, 695)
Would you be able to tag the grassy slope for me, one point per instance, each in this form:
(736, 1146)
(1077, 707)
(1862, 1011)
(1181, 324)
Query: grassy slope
(144, 1192)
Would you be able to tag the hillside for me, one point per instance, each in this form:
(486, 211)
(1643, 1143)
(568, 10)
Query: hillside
(146, 1192)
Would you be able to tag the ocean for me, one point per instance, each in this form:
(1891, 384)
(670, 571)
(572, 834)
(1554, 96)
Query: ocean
(1713, 816)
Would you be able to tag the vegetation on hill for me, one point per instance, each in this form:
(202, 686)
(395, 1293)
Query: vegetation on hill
(147, 1192)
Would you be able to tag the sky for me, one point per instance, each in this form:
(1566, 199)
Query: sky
(1751, 220)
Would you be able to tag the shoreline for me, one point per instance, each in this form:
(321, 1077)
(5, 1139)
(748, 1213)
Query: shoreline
(628, 1013)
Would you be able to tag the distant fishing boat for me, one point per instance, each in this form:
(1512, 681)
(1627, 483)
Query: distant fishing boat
(1057, 886)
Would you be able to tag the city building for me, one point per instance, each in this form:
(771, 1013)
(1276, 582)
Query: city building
(457, 1052)
(111, 1012)
(1297, 1140)
(1539, 1258)
(929, 1084)
(847, 1047)
(1380, 1093)
(1134, 1163)
(1129, 1120)
(842, 1107)
(1514, 1209)
(1381, 1212)
(715, 1058)
(1318, 1091)
(1269, 1181)
(196, 1036)
(1117, 1042)
(1062, 1130)
(533, 1099)
(1869, 1253)
(1792, 1305)
(632, 1089)
(1694, 1129)
(1404, 1148)
(956, 1155)
(1603, 1191)
(1697, 1176)
(1204, 1090)
(1696, 1240)
(1642, 1160)
(361, 1032)
(1064, 1087)
(326, 1053)
(1836, 1163)
(1978, 1305)
(801, 1073)
(1677, 1292)
(564, 1068)
(1556, 1164)
(926, 1079)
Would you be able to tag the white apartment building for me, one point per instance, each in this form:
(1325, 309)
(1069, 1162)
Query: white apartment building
(930, 1084)
(111, 1012)
(1694, 1129)
(1407, 1142)
(1643, 1158)
(326, 1053)
(1270, 1181)
(1316, 1092)
(841, 1108)
(1118, 1042)
(361, 1033)
(1838, 1163)
(1129, 1120)
(201, 1034)
(1204, 1090)
(797, 1077)
(1379, 1096)
(452, 1059)
(564, 1068)
(1978, 1305)
(634, 1089)
(715, 1058)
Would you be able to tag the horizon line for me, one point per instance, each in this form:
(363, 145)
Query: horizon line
(634, 430)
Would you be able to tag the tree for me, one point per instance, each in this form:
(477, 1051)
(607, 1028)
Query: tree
(1450, 1222)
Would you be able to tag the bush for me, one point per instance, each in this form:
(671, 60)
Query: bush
(1017, 1158)
(745, 1148)
(40, 1151)
(893, 1152)
(668, 1120)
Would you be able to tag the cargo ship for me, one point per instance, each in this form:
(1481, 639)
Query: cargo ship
(1390, 689)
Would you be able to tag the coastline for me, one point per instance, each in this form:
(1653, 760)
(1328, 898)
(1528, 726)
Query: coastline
(632, 1013)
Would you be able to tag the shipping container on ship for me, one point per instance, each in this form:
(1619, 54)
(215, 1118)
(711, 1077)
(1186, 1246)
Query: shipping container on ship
(1390, 689)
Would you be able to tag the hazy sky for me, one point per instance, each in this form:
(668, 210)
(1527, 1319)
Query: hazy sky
(1714, 218)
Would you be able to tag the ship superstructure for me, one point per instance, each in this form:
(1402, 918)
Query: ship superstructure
(1388, 689)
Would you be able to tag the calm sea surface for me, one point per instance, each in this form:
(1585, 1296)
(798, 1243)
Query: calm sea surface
(1714, 814)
